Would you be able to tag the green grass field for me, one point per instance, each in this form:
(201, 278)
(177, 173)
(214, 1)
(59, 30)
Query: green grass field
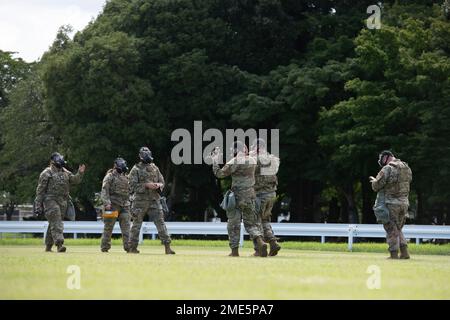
(202, 270)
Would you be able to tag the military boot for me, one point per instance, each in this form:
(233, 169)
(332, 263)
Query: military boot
(48, 248)
(262, 247)
(234, 252)
(404, 252)
(61, 248)
(394, 254)
(274, 248)
(256, 253)
(133, 250)
(104, 250)
(168, 249)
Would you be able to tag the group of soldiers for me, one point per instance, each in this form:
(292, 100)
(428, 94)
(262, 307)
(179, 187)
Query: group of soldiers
(144, 182)
(254, 184)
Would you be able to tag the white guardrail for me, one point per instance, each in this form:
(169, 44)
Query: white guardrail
(322, 230)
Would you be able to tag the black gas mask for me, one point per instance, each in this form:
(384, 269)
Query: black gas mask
(259, 144)
(57, 160)
(145, 155)
(383, 157)
(238, 147)
(120, 165)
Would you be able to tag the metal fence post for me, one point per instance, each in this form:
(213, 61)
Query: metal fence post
(45, 230)
(241, 240)
(417, 240)
(351, 229)
(141, 235)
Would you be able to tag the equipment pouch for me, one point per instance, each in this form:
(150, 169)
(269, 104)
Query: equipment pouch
(229, 201)
(70, 212)
(164, 206)
(110, 214)
(380, 209)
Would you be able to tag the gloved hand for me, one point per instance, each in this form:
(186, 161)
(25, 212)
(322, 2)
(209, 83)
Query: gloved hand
(215, 155)
(38, 209)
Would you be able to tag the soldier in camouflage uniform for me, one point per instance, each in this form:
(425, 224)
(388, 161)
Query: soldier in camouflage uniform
(394, 178)
(147, 183)
(242, 171)
(266, 183)
(115, 196)
(52, 196)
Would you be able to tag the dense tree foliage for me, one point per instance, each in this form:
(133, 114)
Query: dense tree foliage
(338, 92)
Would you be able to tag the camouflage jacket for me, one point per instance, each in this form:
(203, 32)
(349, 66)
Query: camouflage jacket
(242, 172)
(141, 174)
(115, 189)
(394, 178)
(54, 183)
(266, 173)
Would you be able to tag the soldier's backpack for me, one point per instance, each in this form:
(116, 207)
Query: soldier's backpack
(400, 183)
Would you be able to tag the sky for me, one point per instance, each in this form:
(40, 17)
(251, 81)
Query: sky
(29, 27)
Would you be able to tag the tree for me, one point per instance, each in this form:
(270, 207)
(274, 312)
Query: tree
(12, 70)
(401, 82)
(27, 140)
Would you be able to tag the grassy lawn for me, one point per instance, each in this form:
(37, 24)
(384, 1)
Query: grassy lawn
(202, 270)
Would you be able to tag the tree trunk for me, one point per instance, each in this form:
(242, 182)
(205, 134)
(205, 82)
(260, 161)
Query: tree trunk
(333, 210)
(419, 210)
(343, 214)
(303, 201)
(368, 215)
(348, 192)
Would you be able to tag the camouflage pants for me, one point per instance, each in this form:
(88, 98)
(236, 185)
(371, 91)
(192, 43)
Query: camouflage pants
(267, 200)
(138, 211)
(234, 228)
(124, 223)
(54, 210)
(397, 217)
(245, 203)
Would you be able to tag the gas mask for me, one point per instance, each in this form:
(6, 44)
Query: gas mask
(120, 165)
(237, 147)
(58, 160)
(145, 155)
(383, 157)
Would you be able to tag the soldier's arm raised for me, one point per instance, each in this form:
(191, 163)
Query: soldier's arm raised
(226, 170)
(78, 177)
